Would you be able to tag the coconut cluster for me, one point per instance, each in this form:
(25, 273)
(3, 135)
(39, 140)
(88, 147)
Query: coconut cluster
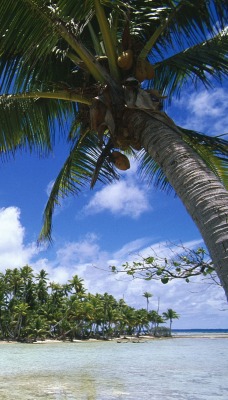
(101, 111)
(142, 69)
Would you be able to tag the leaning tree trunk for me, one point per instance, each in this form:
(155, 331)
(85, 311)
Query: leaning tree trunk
(204, 197)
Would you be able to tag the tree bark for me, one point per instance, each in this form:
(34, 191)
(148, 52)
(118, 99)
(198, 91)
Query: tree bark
(203, 195)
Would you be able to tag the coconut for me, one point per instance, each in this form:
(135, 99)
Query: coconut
(125, 60)
(120, 161)
(144, 70)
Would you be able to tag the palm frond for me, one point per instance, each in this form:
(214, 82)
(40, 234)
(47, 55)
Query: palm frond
(77, 171)
(200, 63)
(80, 9)
(33, 123)
(35, 37)
(166, 25)
(40, 35)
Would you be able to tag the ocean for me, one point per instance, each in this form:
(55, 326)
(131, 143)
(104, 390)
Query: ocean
(183, 368)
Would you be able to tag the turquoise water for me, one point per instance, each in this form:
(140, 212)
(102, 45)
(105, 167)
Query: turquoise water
(199, 331)
(180, 369)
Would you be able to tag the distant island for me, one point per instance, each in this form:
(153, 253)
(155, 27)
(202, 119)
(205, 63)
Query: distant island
(35, 309)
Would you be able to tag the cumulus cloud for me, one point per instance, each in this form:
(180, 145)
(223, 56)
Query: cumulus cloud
(205, 111)
(120, 198)
(84, 250)
(208, 104)
(13, 252)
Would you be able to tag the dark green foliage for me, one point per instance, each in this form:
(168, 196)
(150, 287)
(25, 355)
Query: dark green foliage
(32, 308)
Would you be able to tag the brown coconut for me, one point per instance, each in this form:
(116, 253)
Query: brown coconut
(120, 161)
(125, 60)
(144, 70)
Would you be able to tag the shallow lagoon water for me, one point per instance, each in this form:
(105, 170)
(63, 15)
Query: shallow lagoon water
(173, 369)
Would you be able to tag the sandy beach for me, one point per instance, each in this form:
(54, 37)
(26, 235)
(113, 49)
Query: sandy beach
(126, 339)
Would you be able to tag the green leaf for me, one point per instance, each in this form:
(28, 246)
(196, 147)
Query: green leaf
(149, 260)
(165, 280)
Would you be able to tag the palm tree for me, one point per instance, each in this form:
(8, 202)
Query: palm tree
(76, 283)
(155, 319)
(147, 295)
(142, 321)
(37, 328)
(41, 286)
(170, 315)
(104, 67)
(20, 311)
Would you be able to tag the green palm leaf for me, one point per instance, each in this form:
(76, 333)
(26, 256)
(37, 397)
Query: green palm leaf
(196, 64)
(33, 123)
(174, 24)
(76, 172)
(39, 40)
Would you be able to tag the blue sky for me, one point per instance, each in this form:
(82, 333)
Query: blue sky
(112, 224)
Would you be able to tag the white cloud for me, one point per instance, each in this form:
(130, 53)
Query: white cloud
(120, 198)
(131, 248)
(208, 104)
(13, 252)
(205, 111)
(84, 250)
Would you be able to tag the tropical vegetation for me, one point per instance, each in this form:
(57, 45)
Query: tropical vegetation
(34, 308)
(97, 71)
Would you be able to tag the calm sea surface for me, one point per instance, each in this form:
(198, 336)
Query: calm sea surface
(180, 369)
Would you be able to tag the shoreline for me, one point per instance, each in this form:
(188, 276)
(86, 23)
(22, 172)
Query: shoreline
(124, 339)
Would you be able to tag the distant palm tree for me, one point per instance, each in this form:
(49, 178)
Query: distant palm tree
(147, 295)
(77, 284)
(41, 286)
(170, 315)
(99, 71)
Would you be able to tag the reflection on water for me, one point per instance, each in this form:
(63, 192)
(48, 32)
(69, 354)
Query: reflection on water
(179, 369)
(58, 387)
(80, 386)
(87, 386)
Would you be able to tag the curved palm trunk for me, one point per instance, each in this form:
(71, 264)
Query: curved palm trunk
(204, 197)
